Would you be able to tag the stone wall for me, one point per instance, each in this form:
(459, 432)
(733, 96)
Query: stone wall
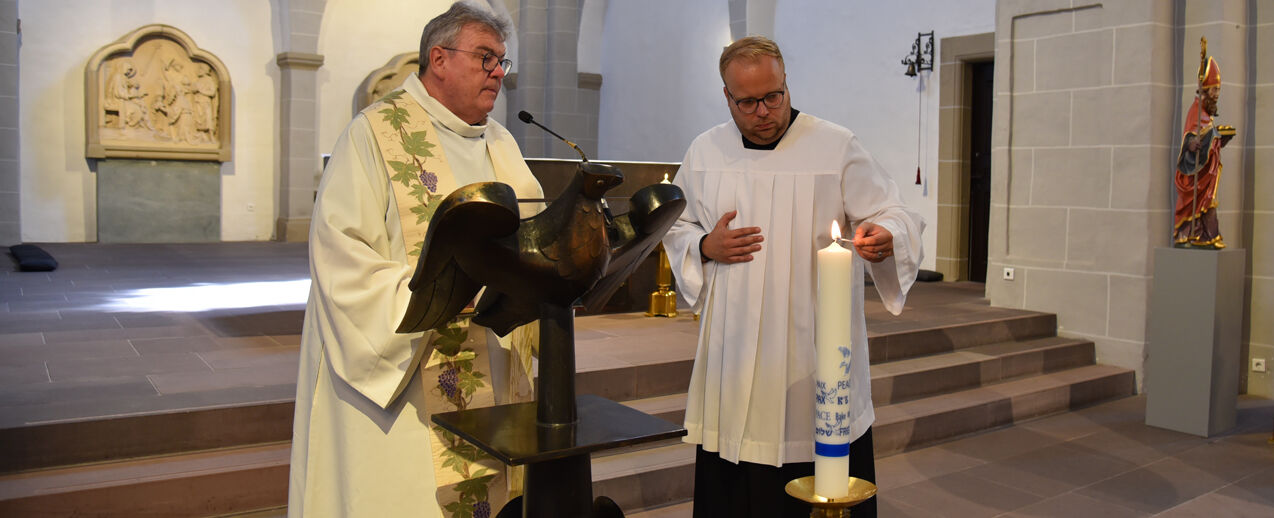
(1090, 99)
(10, 202)
(1257, 186)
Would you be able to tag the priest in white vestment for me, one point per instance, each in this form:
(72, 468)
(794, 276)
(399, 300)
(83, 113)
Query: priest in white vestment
(362, 439)
(763, 191)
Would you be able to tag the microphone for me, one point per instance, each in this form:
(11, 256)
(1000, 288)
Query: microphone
(611, 231)
(527, 118)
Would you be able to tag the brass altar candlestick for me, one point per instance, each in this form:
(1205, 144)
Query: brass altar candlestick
(823, 507)
(663, 301)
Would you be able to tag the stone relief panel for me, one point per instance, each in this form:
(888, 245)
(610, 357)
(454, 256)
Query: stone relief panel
(386, 78)
(154, 94)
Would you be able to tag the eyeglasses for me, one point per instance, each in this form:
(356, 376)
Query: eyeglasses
(748, 106)
(489, 60)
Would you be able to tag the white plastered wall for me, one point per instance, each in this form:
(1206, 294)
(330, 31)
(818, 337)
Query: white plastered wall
(843, 65)
(356, 39)
(660, 86)
(59, 191)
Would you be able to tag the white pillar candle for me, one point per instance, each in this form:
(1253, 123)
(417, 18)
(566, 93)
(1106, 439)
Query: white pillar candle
(832, 336)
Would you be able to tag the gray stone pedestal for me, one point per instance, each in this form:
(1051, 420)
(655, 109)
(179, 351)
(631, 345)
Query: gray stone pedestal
(1192, 373)
(158, 201)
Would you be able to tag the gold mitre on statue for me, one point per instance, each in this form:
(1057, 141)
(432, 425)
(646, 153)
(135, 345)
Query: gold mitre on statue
(1209, 70)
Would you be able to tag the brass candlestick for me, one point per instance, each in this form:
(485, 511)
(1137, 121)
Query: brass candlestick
(823, 507)
(663, 301)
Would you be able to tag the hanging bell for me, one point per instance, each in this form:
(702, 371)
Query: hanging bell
(911, 69)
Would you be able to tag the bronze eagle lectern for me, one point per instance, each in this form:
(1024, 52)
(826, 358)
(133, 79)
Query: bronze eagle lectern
(540, 268)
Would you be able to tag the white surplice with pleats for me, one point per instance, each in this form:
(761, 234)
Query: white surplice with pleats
(751, 394)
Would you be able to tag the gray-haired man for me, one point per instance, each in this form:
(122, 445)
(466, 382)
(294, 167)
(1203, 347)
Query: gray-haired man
(362, 443)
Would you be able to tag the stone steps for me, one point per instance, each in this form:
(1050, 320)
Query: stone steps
(99, 440)
(206, 483)
(667, 469)
(913, 378)
(921, 422)
(972, 373)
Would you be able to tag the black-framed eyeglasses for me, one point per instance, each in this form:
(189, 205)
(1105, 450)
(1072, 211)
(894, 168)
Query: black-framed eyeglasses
(489, 60)
(772, 101)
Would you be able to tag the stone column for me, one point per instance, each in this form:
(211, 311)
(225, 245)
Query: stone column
(299, 160)
(10, 199)
(548, 83)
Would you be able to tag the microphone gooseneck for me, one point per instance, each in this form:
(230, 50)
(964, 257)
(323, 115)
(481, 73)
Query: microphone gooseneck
(611, 232)
(526, 117)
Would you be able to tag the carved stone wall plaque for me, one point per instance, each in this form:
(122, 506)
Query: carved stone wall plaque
(154, 94)
(386, 78)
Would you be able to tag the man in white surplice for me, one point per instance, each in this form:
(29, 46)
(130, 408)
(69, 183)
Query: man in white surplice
(763, 191)
(362, 444)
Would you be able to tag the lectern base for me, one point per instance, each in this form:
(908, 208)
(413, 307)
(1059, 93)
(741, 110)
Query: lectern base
(559, 480)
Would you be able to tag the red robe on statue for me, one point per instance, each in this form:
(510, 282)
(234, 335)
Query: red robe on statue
(1195, 219)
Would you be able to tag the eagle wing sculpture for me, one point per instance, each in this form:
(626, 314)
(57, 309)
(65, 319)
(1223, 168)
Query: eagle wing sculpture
(560, 256)
(481, 216)
(653, 210)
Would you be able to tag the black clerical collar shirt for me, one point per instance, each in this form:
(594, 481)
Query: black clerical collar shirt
(748, 144)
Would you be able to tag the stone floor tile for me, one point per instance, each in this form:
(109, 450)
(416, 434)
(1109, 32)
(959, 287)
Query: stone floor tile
(44, 286)
(1070, 505)
(20, 339)
(41, 353)
(155, 319)
(151, 346)
(252, 376)
(1137, 444)
(1073, 425)
(960, 495)
(641, 349)
(90, 323)
(287, 339)
(19, 375)
(906, 469)
(1156, 487)
(35, 394)
(251, 342)
(585, 335)
(1000, 444)
(125, 334)
(53, 302)
(1257, 487)
(1229, 461)
(91, 369)
(32, 307)
(1051, 470)
(240, 358)
(270, 322)
(1217, 505)
(887, 505)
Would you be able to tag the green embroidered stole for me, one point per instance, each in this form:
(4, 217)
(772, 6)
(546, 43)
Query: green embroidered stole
(455, 373)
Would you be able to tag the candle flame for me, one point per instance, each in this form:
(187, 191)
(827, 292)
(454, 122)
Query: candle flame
(665, 178)
(835, 231)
